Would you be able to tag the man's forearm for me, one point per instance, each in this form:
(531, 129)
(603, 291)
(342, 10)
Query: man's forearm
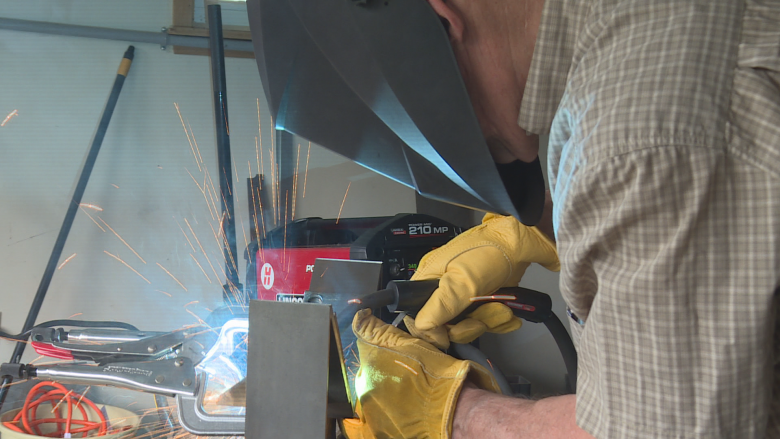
(481, 414)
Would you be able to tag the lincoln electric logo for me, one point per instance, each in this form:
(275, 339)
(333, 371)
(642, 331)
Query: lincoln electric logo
(267, 276)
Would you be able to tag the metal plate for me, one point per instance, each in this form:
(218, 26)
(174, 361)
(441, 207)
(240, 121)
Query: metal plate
(335, 282)
(295, 371)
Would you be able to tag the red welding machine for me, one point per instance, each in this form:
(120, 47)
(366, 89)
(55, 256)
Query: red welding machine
(280, 266)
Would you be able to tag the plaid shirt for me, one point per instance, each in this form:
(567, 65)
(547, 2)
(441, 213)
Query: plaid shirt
(664, 162)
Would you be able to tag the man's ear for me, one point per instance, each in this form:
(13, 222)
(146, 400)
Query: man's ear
(453, 17)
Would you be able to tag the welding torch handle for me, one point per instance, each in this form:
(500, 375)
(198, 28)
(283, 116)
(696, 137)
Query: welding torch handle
(530, 305)
(410, 296)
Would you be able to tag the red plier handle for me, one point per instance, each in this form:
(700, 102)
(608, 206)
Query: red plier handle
(51, 351)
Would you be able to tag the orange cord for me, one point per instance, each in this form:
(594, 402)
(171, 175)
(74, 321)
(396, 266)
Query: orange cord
(25, 421)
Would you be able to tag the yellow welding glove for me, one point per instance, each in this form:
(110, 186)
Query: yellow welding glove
(478, 262)
(406, 388)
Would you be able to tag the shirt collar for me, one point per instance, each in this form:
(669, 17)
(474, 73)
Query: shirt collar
(550, 64)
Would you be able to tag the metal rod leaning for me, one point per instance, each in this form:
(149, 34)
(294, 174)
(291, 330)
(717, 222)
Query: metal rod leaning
(233, 291)
(70, 215)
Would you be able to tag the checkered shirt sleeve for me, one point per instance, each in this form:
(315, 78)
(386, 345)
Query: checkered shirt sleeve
(664, 163)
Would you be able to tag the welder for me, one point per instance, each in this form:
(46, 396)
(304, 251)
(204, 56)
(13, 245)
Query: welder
(664, 171)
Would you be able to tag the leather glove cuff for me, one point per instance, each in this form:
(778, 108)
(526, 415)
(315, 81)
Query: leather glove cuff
(407, 387)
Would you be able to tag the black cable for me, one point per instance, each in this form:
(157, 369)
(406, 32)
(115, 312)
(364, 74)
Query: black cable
(87, 324)
(469, 352)
(67, 322)
(566, 346)
(18, 337)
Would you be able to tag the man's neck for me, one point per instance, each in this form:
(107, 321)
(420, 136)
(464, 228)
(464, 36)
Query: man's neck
(524, 40)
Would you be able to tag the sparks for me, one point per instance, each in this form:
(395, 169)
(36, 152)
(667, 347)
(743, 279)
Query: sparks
(123, 241)
(187, 134)
(230, 191)
(161, 291)
(343, 201)
(185, 235)
(201, 248)
(227, 247)
(191, 303)
(284, 245)
(254, 195)
(14, 383)
(261, 169)
(257, 155)
(196, 181)
(206, 197)
(82, 395)
(401, 363)
(355, 357)
(91, 206)
(222, 194)
(115, 186)
(272, 164)
(212, 190)
(260, 137)
(202, 322)
(243, 232)
(357, 301)
(60, 402)
(172, 276)
(306, 175)
(279, 186)
(66, 261)
(10, 116)
(15, 341)
(238, 209)
(256, 201)
(235, 169)
(295, 180)
(194, 141)
(75, 315)
(93, 219)
(201, 268)
(127, 265)
(325, 271)
(224, 111)
(195, 334)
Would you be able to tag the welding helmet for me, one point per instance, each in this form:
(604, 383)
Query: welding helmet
(376, 81)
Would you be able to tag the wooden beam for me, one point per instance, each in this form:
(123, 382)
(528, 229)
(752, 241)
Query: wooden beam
(183, 13)
(183, 24)
(230, 34)
(181, 50)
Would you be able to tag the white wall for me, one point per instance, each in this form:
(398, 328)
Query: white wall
(59, 86)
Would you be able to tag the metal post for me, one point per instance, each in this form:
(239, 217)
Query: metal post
(70, 215)
(233, 290)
